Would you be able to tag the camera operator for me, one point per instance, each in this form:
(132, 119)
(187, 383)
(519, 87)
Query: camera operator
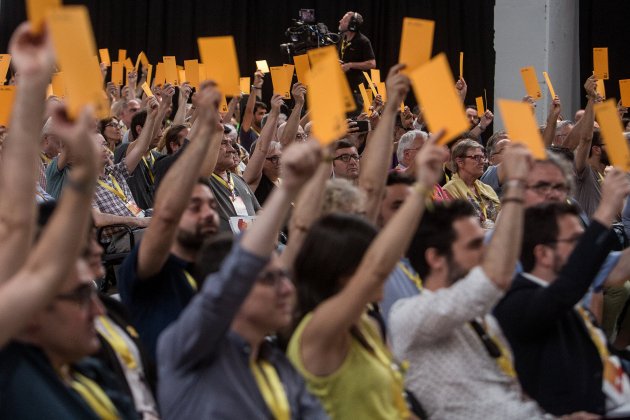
(355, 51)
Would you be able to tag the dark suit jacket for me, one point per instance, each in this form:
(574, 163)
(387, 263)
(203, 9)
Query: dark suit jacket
(556, 361)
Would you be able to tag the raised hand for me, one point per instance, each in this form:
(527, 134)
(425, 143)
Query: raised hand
(430, 160)
(486, 119)
(31, 55)
(298, 92)
(462, 89)
(615, 189)
(397, 85)
(299, 163)
(590, 86)
(259, 79)
(113, 91)
(556, 107)
(517, 162)
(77, 136)
(529, 100)
(184, 92)
(276, 103)
(207, 100)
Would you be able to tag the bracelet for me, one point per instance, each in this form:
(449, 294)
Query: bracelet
(254, 87)
(512, 200)
(79, 186)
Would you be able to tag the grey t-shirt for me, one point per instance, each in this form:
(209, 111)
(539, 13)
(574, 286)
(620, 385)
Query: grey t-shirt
(491, 177)
(588, 193)
(55, 178)
(226, 208)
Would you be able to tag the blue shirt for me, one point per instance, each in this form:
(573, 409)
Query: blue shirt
(398, 286)
(155, 302)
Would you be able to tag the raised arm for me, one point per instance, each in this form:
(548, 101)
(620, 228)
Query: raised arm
(326, 333)
(583, 132)
(484, 121)
(182, 100)
(139, 147)
(291, 129)
(231, 110)
(378, 152)
(54, 256)
(253, 171)
(248, 115)
(175, 190)
(196, 335)
(552, 121)
(33, 59)
(583, 129)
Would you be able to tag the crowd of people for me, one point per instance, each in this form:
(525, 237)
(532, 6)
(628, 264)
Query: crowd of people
(263, 275)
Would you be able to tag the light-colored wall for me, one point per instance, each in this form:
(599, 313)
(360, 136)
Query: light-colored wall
(543, 34)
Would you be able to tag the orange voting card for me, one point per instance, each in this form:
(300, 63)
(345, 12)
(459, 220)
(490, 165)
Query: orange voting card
(122, 55)
(181, 75)
(366, 100)
(5, 61)
(600, 63)
(170, 70)
(434, 87)
(624, 90)
(36, 11)
(262, 66)
(612, 134)
(147, 90)
(143, 59)
(549, 85)
(149, 74)
(104, 54)
(382, 90)
(302, 67)
(219, 58)
(461, 65)
(7, 95)
(326, 101)
(245, 83)
(159, 75)
(416, 43)
(480, 108)
(192, 72)
(531, 82)
(278, 78)
(376, 75)
(129, 65)
(75, 49)
(117, 73)
(370, 82)
(58, 85)
(601, 89)
(318, 54)
(521, 126)
(223, 106)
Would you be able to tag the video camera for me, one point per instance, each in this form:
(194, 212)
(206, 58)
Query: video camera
(306, 35)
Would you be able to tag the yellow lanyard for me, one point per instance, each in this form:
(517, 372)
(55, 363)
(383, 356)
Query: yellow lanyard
(344, 44)
(191, 280)
(116, 190)
(600, 178)
(604, 354)
(415, 278)
(94, 396)
(118, 343)
(398, 388)
(504, 361)
(479, 201)
(45, 159)
(271, 389)
(150, 167)
(229, 184)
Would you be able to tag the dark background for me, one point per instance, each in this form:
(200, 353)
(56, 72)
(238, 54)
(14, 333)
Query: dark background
(605, 24)
(166, 27)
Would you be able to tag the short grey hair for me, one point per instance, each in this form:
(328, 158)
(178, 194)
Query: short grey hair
(461, 148)
(406, 140)
(562, 163)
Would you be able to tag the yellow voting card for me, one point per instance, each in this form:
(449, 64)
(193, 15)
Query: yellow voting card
(480, 108)
(7, 96)
(5, 61)
(416, 43)
(624, 90)
(75, 49)
(370, 82)
(122, 55)
(531, 82)
(218, 55)
(143, 59)
(223, 106)
(601, 89)
(461, 65)
(326, 101)
(366, 100)
(36, 11)
(612, 134)
(318, 54)
(262, 66)
(434, 87)
(147, 90)
(181, 75)
(549, 85)
(600, 63)
(170, 70)
(192, 72)
(129, 65)
(382, 90)
(302, 67)
(58, 85)
(104, 54)
(245, 83)
(278, 78)
(149, 74)
(117, 73)
(159, 75)
(376, 75)
(521, 126)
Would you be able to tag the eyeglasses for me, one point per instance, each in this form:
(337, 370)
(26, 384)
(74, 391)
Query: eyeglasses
(273, 278)
(82, 295)
(112, 124)
(543, 188)
(477, 158)
(346, 158)
(274, 159)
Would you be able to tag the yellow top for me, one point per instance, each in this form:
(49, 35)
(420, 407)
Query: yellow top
(484, 198)
(363, 387)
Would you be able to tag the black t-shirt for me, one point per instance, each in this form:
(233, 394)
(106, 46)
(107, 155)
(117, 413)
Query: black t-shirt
(265, 186)
(164, 163)
(155, 302)
(357, 50)
(140, 182)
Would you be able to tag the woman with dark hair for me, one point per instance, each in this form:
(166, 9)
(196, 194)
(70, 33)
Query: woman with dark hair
(339, 271)
(110, 129)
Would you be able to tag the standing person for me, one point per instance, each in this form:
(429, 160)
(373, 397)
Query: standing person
(355, 52)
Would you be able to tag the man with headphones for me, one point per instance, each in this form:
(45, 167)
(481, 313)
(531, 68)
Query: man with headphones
(355, 51)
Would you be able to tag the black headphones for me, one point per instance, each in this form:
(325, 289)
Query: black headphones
(354, 25)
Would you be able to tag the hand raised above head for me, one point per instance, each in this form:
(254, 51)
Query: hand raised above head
(31, 55)
(430, 160)
(299, 163)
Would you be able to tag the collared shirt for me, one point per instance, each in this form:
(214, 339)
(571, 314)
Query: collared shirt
(204, 367)
(450, 370)
(398, 286)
